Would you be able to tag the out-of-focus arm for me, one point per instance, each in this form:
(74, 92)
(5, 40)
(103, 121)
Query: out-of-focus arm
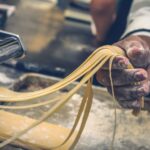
(138, 19)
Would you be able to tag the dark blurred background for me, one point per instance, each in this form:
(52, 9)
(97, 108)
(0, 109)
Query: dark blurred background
(57, 34)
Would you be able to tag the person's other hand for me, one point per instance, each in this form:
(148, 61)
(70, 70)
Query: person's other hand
(138, 54)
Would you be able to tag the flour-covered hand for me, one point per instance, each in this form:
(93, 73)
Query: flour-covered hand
(128, 93)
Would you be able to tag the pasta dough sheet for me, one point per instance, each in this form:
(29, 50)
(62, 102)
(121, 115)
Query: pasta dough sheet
(43, 136)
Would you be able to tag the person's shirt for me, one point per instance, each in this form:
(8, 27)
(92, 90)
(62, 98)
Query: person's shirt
(138, 19)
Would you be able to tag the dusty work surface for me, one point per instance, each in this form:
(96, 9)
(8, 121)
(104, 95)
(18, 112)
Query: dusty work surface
(132, 132)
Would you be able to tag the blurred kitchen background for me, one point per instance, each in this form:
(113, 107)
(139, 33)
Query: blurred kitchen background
(56, 33)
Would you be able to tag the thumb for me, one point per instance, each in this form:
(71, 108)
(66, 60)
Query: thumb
(136, 50)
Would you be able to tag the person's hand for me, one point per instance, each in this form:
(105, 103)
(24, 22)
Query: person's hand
(138, 54)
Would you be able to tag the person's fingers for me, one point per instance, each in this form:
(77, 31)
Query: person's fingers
(138, 54)
(122, 77)
(136, 50)
(131, 92)
(120, 62)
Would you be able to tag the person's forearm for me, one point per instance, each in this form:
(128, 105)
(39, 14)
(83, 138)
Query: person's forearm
(145, 39)
(138, 19)
(139, 24)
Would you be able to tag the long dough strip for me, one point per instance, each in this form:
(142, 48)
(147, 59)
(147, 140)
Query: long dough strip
(32, 105)
(82, 110)
(85, 117)
(10, 96)
(114, 102)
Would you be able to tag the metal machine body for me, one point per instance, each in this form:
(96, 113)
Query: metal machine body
(11, 46)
